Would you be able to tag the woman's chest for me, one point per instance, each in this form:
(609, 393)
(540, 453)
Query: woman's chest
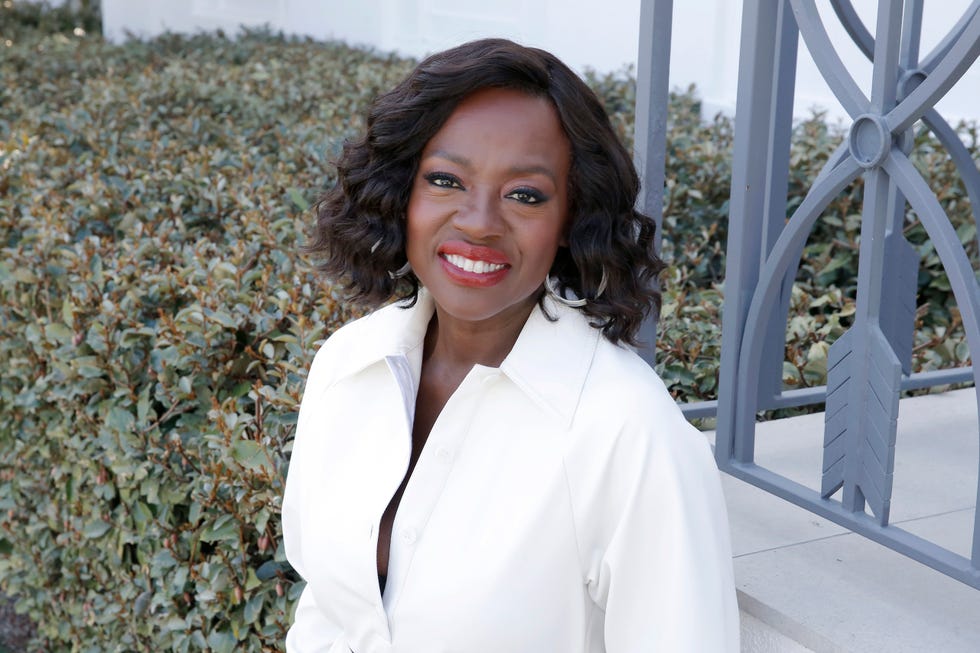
(484, 536)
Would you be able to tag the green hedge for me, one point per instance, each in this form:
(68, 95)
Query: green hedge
(156, 321)
(156, 318)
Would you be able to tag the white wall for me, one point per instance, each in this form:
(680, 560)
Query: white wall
(705, 45)
(573, 29)
(584, 33)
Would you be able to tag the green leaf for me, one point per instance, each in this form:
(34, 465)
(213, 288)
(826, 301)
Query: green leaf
(58, 333)
(24, 275)
(223, 529)
(253, 608)
(251, 580)
(224, 319)
(162, 561)
(241, 389)
(88, 366)
(120, 420)
(142, 515)
(249, 454)
(222, 642)
(143, 405)
(269, 351)
(68, 312)
(96, 529)
(142, 603)
(297, 198)
(272, 568)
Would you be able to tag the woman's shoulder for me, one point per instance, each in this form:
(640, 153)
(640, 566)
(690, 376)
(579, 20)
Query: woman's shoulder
(338, 342)
(620, 378)
(629, 442)
(353, 344)
(626, 406)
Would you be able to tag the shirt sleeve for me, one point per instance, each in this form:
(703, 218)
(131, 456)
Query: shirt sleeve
(311, 630)
(666, 578)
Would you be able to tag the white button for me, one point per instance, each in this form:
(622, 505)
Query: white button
(490, 378)
(409, 535)
(444, 455)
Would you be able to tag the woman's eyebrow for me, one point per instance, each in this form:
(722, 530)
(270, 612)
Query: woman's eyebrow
(449, 156)
(531, 169)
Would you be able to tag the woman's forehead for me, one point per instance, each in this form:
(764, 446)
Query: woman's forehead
(506, 125)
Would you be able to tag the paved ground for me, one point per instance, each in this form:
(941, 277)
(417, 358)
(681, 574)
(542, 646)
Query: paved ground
(832, 590)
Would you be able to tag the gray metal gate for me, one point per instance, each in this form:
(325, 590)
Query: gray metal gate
(870, 364)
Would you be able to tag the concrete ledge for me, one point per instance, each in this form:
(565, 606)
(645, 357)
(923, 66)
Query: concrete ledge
(806, 584)
(765, 630)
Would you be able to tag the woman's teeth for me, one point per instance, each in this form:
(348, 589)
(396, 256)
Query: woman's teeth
(469, 265)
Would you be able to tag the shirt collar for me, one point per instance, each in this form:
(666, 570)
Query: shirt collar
(549, 361)
(551, 358)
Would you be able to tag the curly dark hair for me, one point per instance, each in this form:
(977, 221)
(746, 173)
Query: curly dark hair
(360, 226)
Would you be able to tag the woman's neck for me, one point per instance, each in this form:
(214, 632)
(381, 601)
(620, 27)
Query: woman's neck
(462, 344)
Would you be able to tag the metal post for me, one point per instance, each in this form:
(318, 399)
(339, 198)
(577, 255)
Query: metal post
(650, 133)
(756, 85)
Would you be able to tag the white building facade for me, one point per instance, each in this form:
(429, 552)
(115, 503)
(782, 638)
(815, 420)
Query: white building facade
(586, 34)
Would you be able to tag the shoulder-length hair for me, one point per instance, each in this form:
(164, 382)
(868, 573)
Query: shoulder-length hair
(360, 225)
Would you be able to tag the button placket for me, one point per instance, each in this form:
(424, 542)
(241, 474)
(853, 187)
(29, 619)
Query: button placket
(429, 478)
(444, 455)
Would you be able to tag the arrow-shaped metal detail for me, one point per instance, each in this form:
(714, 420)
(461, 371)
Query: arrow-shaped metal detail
(861, 420)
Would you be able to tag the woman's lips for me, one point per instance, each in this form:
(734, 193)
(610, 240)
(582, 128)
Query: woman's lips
(473, 265)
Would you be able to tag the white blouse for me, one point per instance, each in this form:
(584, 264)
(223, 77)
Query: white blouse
(561, 502)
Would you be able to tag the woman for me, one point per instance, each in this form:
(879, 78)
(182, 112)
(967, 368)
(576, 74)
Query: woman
(484, 465)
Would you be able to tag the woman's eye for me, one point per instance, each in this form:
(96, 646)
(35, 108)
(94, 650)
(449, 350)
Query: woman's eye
(443, 180)
(526, 196)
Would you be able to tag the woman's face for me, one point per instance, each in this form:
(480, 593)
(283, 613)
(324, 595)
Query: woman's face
(489, 205)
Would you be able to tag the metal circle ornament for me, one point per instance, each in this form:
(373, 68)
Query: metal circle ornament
(869, 140)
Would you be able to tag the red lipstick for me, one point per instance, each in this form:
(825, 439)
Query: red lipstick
(488, 266)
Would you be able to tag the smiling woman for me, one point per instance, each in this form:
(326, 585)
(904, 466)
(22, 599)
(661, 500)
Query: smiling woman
(485, 465)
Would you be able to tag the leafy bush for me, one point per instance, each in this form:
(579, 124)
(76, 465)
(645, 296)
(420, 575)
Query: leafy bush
(155, 325)
(156, 318)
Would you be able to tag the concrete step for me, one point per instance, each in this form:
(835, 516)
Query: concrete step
(806, 583)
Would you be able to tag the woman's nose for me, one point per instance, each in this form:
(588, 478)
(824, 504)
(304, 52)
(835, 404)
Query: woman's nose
(480, 216)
